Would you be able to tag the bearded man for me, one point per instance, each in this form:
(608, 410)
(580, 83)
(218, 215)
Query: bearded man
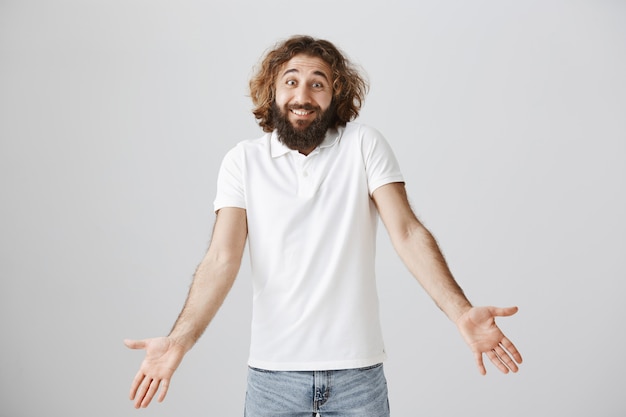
(307, 196)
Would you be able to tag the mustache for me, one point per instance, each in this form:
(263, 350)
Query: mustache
(307, 106)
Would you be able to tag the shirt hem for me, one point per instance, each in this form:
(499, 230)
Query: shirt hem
(316, 366)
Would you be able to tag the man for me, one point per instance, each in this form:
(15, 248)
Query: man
(306, 196)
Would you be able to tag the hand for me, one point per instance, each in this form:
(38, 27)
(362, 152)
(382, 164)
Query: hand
(163, 356)
(478, 328)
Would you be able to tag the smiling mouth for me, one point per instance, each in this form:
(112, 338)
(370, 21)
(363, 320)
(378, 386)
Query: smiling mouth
(299, 112)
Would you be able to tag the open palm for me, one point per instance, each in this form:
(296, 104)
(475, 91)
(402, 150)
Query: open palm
(478, 328)
(162, 358)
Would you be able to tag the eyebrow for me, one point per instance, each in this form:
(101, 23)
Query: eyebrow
(294, 70)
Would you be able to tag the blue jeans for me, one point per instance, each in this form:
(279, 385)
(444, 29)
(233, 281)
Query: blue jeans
(358, 392)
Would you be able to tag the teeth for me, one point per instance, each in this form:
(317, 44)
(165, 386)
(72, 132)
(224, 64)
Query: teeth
(300, 112)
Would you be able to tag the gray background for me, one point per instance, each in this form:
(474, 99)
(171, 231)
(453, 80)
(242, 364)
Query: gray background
(508, 119)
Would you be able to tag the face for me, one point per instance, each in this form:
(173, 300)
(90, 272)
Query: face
(303, 90)
(304, 109)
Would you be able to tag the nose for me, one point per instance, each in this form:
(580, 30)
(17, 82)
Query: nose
(302, 94)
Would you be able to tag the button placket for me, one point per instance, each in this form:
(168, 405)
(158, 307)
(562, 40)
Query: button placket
(305, 177)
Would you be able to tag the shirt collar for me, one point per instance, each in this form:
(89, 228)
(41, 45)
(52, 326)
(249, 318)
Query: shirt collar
(279, 149)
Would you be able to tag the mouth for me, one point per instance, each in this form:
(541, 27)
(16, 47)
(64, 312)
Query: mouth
(300, 112)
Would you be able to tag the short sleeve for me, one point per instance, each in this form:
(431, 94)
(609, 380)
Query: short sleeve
(230, 184)
(381, 165)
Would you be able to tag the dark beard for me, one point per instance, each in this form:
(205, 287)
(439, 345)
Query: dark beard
(303, 138)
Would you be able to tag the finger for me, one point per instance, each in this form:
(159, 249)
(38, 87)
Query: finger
(141, 392)
(503, 311)
(135, 344)
(135, 385)
(154, 386)
(506, 359)
(510, 347)
(479, 362)
(164, 386)
(497, 362)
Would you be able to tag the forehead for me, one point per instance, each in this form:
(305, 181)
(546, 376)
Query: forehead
(304, 65)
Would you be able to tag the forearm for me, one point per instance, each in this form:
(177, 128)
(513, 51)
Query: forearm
(212, 281)
(420, 253)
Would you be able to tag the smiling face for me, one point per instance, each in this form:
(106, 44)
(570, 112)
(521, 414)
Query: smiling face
(303, 109)
(304, 90)
(343, 86)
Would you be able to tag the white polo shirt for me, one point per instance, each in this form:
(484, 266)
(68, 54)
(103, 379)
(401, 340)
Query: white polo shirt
(312, 243)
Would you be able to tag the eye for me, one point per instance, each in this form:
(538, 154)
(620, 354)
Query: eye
(318, 85)
(291, 82)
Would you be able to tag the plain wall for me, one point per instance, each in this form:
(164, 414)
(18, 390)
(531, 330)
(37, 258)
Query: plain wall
(507, 117)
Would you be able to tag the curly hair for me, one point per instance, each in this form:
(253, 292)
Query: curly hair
(349, 86)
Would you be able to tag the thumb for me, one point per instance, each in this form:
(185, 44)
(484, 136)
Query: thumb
(503, 311)
(135, 344)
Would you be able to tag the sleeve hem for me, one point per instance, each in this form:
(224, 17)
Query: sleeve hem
(221, 204)
(384, 181)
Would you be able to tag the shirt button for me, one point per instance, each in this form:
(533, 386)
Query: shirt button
(305, 174)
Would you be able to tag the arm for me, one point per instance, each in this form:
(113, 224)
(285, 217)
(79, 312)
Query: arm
(212, 281)
(419, 251)
(213, 278)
